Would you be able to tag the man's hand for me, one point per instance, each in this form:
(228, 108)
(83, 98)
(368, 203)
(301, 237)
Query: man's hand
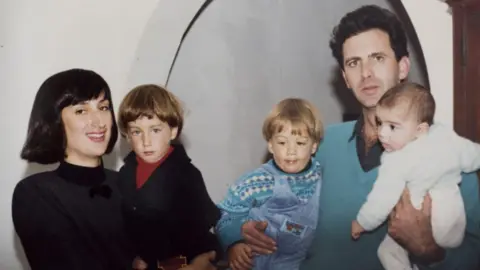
(240, 257)
(412, 228)
(357, 229)
(253, 233)
(202, 262)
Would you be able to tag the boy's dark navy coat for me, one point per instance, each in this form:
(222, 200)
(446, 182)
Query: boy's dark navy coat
(172, 213)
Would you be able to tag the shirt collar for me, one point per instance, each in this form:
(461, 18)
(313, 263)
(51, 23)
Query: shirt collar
(357, 129)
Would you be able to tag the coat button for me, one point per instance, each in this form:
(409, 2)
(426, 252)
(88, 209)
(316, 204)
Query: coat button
(134, 208)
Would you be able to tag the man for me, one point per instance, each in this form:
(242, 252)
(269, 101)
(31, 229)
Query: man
(370, 46)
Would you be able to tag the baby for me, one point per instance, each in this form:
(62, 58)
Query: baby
(424, 157)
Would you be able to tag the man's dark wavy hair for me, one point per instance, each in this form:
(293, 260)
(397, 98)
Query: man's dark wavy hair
(367, 18)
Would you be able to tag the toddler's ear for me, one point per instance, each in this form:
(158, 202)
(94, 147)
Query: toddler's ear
(270, 147)
(127, 137)
(314, 148)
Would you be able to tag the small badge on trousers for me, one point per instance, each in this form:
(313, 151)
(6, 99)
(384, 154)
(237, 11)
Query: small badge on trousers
(293, 228)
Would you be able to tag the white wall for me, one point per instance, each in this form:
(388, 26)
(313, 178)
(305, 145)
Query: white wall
(437, 47)
(39, 38)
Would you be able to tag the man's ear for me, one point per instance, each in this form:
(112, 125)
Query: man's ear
(404, 68)
(345, 79)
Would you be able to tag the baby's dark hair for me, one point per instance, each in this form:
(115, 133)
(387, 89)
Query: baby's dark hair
(367, 18)
(418, 98)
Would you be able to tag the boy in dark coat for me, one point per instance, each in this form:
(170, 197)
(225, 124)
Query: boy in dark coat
(168, 211)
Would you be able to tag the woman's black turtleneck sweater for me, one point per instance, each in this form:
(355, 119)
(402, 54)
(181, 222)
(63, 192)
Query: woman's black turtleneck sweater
(70, 218)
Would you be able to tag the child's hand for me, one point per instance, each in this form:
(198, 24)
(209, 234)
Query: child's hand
(139, 264)
(357, 230)
(240, 257)
(202, 262)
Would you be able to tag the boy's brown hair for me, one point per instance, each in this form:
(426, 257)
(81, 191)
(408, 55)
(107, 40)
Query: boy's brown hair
(418, 98)
(150, 100)
(301, 114)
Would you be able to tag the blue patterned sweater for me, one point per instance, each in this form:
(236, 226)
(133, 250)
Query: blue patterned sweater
(254, 189)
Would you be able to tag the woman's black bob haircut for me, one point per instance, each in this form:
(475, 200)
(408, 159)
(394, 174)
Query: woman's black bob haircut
(46, 141)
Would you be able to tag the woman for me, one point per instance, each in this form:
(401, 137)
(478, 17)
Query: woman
(70, 218)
